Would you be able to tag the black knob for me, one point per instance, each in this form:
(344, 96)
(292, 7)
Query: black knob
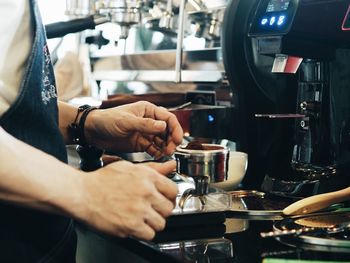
(313, 106)
(304, 124)
(98, 40)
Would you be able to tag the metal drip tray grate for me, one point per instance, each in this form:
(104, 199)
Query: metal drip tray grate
(238, 204)
(322, 240)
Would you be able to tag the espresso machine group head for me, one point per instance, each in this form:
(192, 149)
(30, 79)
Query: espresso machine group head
(312, 39)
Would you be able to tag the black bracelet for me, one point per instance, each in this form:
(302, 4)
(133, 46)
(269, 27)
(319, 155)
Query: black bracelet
(77, 128)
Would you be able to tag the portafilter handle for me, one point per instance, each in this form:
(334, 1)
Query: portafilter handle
(90, 158)
(60, 29)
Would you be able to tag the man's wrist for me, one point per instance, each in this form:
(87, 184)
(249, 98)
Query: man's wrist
(77, 128)
(90, 127)
(71, 203)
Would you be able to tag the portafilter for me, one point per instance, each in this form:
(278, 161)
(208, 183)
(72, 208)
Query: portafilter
(204, 163)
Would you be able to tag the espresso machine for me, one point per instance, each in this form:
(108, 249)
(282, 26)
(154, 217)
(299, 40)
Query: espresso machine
(292, 75)
(278, 91)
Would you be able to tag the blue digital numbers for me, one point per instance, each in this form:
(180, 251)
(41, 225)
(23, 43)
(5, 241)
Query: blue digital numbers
(264, 21)
(273, 21)
(281, 20)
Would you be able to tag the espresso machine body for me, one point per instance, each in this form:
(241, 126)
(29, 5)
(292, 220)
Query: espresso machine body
(295, 126)
(271, 116)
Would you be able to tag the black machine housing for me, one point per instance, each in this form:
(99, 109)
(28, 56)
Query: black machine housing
(301, 156)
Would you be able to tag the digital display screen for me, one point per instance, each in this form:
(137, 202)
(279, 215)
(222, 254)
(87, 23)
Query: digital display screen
(277, 6)
(274, 17)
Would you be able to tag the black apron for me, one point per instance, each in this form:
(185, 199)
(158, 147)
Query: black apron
(28, 235)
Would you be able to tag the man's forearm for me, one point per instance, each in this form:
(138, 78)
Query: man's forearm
(32, 178)
(121, 198)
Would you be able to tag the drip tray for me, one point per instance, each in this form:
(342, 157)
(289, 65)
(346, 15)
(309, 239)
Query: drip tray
(321, 240)
(256, 205)
(248, 204)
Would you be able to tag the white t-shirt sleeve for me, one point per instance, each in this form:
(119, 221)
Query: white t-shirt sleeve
(15, 45)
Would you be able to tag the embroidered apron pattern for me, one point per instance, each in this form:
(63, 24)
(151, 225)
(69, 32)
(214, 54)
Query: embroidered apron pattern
(49, 90)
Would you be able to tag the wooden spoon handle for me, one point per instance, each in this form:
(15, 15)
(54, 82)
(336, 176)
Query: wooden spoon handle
(317, 202)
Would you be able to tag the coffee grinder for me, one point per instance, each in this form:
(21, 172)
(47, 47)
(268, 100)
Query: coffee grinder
(310, 39)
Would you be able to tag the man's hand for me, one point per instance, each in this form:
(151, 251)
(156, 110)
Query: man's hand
(121, 199)
(136, 127)
(125, 199)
